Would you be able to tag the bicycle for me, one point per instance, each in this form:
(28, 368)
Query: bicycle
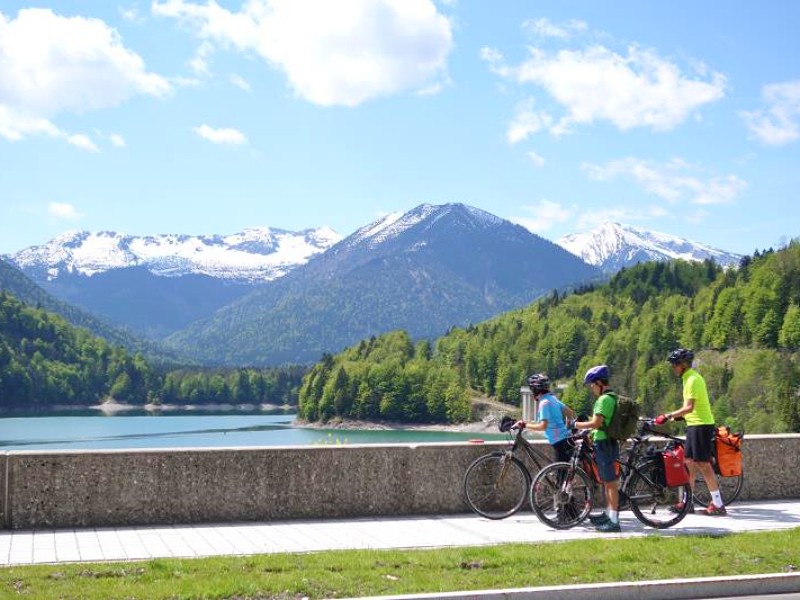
(496, 485)
(730, 486)
(562, 494)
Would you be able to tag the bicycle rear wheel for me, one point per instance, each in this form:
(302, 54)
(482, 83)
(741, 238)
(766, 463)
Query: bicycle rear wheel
(562, 495)
(496, 485)
(653, 503)
(729, 487)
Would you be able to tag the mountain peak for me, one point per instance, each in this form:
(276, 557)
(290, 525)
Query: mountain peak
(613, 245)
(394, 224)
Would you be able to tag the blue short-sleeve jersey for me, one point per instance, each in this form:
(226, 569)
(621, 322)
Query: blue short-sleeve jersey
(551, 410)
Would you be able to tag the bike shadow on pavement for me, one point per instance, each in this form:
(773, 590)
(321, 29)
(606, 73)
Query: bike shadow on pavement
(758, 513)
(739, 519)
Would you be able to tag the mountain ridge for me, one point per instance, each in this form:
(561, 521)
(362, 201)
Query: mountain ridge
(612, 246)
(438, 267)
(254, 255)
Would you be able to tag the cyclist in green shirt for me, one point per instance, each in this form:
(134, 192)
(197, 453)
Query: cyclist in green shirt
(700, 430)
(606, 450)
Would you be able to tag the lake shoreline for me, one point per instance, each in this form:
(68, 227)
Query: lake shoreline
(472, 427)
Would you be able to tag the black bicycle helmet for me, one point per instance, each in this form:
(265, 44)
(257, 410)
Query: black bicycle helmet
(539, 382)
(597, 373)
(681, 355)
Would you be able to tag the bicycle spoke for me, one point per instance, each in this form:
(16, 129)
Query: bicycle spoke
(496, 485)
(561, 496)
(652, 503)
(729, 487)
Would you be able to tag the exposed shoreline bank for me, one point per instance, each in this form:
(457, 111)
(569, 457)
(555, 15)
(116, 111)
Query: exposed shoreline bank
(474, 427)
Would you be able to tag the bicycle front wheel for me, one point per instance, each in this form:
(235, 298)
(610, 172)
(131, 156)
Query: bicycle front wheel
(496, 485)
(729, 487)
(562, 495)
(653, 503)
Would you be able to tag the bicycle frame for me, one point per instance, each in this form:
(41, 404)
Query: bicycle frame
(563, 493)
(536, 456)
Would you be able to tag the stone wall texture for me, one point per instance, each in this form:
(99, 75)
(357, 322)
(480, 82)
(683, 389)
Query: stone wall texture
(148, 487)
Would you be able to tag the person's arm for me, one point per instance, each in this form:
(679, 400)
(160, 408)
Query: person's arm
(567, 413)
(537, 426)
(596, 422)
(688, 406)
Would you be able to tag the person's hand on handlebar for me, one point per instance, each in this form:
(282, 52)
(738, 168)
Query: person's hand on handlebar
(519, 425)
(661, 419)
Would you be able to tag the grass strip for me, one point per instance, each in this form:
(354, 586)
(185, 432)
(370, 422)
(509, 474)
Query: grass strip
(352, 573)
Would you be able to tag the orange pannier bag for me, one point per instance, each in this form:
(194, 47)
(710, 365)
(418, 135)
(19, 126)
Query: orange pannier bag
(729, 452)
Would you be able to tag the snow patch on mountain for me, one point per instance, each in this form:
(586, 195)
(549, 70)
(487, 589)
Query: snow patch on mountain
(253, 255)
(612, 246)
(393, 225)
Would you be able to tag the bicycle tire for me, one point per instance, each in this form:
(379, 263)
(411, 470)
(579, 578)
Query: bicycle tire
(729, 487)
(654, 504)
(562, 495)
(496, 485)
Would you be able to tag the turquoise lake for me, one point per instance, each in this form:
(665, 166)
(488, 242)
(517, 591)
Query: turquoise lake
(162, 430)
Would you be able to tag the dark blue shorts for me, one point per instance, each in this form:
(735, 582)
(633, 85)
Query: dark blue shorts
(606, 453)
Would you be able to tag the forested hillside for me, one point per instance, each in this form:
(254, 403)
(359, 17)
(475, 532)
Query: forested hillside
(45, 361)
(14, 282)
(744, 324)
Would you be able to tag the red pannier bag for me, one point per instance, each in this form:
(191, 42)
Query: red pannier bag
(675, 472)
(729, 452)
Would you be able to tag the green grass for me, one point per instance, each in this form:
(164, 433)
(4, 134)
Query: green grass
(380, 572)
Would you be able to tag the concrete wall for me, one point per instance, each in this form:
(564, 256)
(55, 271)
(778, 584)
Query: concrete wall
(109, 488)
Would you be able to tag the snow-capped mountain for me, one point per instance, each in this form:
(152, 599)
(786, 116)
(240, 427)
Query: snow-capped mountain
(393, 225)
(157, 284)
(613, 246)
(251, 256)
(424, 271)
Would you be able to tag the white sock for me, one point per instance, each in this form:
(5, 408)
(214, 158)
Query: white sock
(613, 515)
(716, 498)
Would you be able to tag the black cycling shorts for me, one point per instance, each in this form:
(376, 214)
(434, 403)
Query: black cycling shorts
(563, 450)
(700, 442)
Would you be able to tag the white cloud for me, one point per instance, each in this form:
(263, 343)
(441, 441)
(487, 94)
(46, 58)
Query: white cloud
(779, 122)
(547, 29)
(332, 53)
(239, 82)
(527, 122)
(674, 181)
(491, 55)
(82, 141)
(232, 137)
(63, 210)
(545, 213)
(536, 159)
(51, 65)
(638, 89)
(130, 13)
(115, 139)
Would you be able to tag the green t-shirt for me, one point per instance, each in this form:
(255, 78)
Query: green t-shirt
(694, 386)
(605, 405)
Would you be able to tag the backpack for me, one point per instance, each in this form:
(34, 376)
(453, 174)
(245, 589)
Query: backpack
(624, 420)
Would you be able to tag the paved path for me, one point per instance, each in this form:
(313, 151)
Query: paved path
(136, 543)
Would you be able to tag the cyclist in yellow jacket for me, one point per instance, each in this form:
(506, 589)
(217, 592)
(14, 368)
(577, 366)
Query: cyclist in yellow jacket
(700, 428)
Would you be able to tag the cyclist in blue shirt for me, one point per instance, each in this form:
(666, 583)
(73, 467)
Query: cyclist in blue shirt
(551, 417)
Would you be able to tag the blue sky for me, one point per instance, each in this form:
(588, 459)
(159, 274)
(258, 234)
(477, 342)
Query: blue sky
(180, 116)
